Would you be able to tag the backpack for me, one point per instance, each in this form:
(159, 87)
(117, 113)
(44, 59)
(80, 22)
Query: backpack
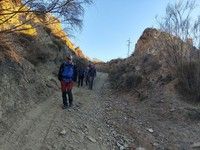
(67, 72)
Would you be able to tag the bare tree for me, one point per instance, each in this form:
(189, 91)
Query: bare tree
(182, 43)
(70, 12)
(196, 32)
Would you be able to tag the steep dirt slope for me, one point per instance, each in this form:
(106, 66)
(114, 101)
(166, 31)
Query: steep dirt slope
(22, 85)
(29, 61)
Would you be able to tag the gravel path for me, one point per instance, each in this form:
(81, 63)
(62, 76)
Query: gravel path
(48, 127)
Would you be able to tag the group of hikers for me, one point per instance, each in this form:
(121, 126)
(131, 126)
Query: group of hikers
(86, 74)
(68, 74)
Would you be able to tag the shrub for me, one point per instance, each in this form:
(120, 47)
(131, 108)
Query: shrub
(52, 46)
(189, 78)
(149, 64)
(132, 80)
(58, 43)
(48, 30)
(24, 38)
(123, 76)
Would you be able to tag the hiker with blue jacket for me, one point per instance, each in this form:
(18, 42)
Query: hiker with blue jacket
(65, 76)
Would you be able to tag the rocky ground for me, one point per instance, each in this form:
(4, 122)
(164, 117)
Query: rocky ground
(161, 121)
(103, 119)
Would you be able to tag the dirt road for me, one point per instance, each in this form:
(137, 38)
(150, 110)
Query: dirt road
(104, 119)
(82, 126)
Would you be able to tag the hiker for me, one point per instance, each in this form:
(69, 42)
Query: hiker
(75, 73)
(87, 76)
(65, 76)
(92, 75)
(81, 73)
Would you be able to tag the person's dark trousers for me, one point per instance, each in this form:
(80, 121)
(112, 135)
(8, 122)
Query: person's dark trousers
(91, 80)
(87, 80)
(64, 96)
(70, 97)
(80, 80)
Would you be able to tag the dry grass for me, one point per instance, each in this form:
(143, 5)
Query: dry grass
(8, 49)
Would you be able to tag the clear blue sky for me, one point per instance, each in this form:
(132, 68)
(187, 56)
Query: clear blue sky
(108, 24)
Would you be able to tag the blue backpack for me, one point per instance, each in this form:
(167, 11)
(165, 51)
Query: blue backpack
(67, 72)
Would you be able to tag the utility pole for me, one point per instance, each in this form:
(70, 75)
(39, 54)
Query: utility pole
(129, 46)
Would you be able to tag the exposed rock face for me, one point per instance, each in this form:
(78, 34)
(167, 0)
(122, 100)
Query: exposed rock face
(161, 45)
(146, 42)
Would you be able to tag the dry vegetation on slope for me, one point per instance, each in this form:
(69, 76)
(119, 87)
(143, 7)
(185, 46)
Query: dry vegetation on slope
(29, 60)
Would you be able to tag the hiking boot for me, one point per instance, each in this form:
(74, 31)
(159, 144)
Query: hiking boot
(64, 107)
(70, 105)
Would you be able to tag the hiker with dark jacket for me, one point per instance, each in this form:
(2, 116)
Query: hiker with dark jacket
(92, 75)
(75, 73)
(65, 76)
(87, 75)
(81, 73)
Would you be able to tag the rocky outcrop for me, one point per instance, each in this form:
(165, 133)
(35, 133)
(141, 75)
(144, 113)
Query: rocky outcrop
(154, 52)
(146, 42)
(161, 45)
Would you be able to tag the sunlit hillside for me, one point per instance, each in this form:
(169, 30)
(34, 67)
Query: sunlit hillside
(32, 47)
(32, 24)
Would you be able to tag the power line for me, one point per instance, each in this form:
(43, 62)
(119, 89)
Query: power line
(129, 46)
